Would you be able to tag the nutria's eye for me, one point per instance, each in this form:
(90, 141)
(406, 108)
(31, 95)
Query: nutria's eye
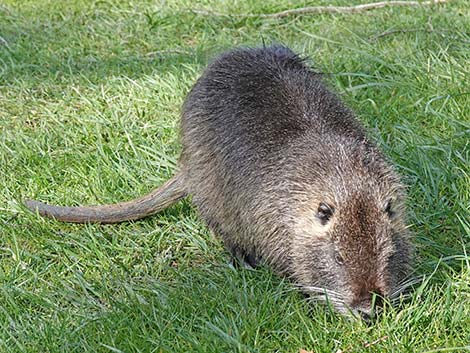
(324, 212)
(388, 209)
(339, 259)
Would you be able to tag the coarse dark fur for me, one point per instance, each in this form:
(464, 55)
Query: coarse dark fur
(284, 174)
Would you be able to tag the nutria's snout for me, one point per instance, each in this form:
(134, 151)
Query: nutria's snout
(367, 308)
(368, 305)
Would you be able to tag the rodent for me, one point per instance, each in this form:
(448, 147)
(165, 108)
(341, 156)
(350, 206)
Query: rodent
(285, 175)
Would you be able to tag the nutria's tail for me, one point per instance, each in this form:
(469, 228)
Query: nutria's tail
(159, 199)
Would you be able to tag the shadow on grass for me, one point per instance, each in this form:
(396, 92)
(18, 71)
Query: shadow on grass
(36, 49)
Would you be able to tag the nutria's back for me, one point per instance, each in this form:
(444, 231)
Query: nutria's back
(265, 98)
(282, 171)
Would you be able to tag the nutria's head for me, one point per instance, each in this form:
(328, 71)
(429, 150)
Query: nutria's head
(350, 245)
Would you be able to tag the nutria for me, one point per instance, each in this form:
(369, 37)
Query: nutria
(284, 174)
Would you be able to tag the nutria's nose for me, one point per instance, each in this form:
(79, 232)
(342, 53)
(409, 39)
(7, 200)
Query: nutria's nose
(367, 305)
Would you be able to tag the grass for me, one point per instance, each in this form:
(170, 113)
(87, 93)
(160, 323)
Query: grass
(90, 94)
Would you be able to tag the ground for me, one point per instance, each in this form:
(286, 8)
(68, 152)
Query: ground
(90, 95)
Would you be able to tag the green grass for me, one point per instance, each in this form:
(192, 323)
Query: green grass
(90, 94)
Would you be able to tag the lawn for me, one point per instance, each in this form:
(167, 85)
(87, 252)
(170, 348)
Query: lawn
(90, 96)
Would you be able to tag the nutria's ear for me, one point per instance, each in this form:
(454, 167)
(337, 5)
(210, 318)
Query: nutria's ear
(324, 212)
